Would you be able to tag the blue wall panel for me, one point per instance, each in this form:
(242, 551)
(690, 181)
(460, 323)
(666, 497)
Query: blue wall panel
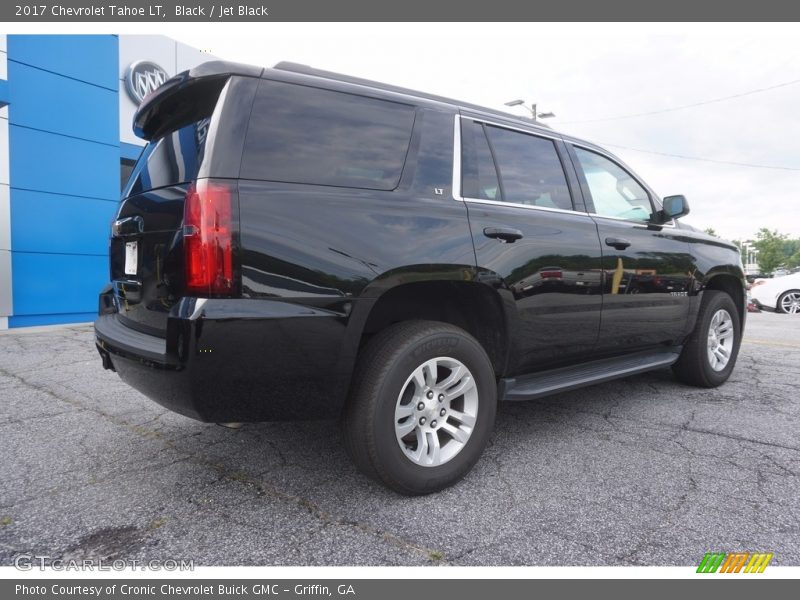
(50, 162)
(64, 166)
(34, 320)
(91, 58)
(57, 283)
(63, 224)
(42, 100)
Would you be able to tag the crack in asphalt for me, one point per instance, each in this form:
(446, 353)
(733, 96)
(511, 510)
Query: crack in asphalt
(224, 471)
(747, 484)
(741, 438)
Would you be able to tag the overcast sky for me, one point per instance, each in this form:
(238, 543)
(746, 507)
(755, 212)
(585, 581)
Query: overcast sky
(588, 72)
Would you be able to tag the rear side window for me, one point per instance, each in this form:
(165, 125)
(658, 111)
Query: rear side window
(173, 159)
(479, 175)
(178, 125)
(300, 134)
(530, 169)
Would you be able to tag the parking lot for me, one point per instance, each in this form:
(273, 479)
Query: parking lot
(643, 471)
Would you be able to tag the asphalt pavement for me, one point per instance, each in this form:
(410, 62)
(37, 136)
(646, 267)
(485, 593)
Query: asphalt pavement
(642, 471)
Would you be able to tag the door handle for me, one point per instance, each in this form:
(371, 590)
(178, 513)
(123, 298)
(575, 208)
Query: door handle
(504, 234)
(618, 243)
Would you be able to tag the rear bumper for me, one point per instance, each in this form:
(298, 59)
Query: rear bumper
(112, 336)
(762, 306)
(235, 360)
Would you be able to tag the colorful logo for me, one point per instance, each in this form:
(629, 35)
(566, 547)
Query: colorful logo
(734, 562)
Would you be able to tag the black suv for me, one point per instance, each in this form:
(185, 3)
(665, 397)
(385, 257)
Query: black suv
(298, 244)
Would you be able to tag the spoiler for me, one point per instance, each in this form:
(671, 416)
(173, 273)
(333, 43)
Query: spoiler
(174, 103)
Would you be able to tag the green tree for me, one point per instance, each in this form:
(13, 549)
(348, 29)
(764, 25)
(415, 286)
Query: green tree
(792, 251)
(793, 261)
(710, 231)
(771, 247)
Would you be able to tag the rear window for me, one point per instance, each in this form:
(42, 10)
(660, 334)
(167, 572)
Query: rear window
(173, 159)
(300, 134)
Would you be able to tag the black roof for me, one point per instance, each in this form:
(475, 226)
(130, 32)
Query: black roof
(219, 70)
(311, 71)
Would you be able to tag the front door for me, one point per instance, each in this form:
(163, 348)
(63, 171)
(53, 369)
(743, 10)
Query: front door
(648, 271)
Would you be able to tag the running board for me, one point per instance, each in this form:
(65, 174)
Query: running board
(537, 385)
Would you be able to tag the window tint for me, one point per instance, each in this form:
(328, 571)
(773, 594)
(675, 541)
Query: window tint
(126, 166)
(175, 158)
(614, 192)
(301, 134)
(530, 170)
(479, 176)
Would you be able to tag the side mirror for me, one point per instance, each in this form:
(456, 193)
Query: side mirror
(675, 207)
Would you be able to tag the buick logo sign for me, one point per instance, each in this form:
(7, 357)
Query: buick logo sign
(142, 78)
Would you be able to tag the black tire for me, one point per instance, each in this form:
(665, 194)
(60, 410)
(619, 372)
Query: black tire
(779, 306)
(384, 368)
(694, 366)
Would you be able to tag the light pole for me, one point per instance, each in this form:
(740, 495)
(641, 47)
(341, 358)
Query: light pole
(535, 115)
(750, 258)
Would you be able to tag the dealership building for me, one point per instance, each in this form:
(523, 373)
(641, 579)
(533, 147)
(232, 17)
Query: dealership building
(66, 147)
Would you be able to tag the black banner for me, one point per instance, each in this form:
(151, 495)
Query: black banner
(408, 10)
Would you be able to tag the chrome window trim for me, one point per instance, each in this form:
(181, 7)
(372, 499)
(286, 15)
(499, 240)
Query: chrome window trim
(457, 175)
(457, 168)
(511, 127)
(457, 158)
(526, 206)
(644, 224)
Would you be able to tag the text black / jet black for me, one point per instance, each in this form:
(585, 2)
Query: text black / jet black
(297, 244)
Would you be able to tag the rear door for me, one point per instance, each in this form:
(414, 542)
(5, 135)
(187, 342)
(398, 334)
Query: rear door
(533, 240)
(648, 271)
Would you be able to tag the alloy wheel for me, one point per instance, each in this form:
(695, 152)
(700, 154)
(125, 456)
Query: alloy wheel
(790, 303)
(720, 339)
(436, 411)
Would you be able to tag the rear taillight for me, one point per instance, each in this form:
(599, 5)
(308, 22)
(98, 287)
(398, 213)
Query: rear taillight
(208, 238)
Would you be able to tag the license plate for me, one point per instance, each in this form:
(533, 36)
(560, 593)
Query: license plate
(131, 258)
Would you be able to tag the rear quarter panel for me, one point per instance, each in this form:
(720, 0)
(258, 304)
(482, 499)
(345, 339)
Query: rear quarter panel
(336, 250)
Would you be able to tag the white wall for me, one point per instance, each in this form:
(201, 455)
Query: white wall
(170, 55)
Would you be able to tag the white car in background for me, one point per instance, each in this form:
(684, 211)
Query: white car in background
(781, 294)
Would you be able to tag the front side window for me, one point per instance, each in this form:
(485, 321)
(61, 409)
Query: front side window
(614, 192)
(301, 134)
